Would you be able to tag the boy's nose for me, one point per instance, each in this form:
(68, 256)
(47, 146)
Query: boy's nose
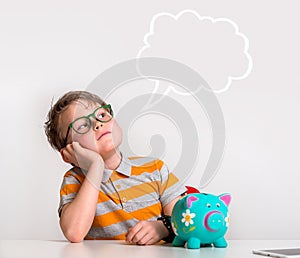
(97, 125)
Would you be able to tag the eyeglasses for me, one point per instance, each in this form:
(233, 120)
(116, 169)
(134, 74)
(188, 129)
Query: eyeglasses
(83, 124)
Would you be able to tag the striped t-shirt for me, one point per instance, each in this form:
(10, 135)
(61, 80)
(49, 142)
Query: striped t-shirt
(137, 190)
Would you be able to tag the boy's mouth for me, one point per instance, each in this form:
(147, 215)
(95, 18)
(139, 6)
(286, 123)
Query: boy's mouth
(102, 135)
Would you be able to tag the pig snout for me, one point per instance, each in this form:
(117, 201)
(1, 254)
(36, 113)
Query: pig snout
(214, 221)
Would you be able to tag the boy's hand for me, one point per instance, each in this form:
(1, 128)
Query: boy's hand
(81, 157)
(147, 232)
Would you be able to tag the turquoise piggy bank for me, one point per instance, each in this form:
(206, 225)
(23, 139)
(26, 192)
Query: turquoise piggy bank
(201, 219)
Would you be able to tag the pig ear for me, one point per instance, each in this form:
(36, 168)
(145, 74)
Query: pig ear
(190, 199)
(226, 198)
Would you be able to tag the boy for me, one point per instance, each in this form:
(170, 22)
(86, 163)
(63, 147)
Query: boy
(106, 195)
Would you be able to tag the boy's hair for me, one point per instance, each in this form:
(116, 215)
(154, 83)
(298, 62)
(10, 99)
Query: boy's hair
(52, 125)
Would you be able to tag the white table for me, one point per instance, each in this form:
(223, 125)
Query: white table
(119, 249)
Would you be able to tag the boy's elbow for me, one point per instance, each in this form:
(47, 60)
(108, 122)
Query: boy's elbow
(73, 236)
(72, 233)
(75, 239)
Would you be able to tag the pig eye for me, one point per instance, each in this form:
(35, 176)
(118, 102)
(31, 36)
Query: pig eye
(218, 205)
(208, 205)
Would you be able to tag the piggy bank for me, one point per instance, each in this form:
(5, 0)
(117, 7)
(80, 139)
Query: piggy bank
(200, 219)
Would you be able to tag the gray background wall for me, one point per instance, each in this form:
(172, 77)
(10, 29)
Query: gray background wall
(50, 47)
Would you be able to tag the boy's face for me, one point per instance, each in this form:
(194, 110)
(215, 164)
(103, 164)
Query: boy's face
(103, 138)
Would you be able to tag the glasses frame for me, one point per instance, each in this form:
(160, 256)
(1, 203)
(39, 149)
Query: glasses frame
(88, 117)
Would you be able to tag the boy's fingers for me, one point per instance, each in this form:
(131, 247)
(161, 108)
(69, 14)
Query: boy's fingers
(133, 231)
(75, 144)
(77, 147)
(140, 237)
(69, 153)
(69, 147)
(146, 240)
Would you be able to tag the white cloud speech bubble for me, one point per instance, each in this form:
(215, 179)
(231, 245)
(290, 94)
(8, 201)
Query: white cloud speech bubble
(214, 47)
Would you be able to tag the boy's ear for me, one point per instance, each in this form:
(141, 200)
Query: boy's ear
(63, 156)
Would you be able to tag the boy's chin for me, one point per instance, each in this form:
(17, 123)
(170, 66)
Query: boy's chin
(108, 150)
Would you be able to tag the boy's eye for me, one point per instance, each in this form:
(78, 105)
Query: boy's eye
(101, 115)
(82, 126)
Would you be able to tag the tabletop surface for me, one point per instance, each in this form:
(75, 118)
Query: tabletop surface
(119, 249)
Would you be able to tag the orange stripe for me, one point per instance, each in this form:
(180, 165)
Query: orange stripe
(116, 176)
(103, 197)
(80, 178)
(137, 170)
(114, 217)
(135, 157)
(139, 190)
(70, 188)
(147, 212)
(159, 164)
(172, 179)
(118, 237)
(111, 218)
(147, 167)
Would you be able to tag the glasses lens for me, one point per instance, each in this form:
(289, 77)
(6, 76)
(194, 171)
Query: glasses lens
(103, 114)
(82, 125)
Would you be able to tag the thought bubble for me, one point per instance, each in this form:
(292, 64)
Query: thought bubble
(214, 47)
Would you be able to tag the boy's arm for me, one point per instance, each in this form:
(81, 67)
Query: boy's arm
(77, 217)
(169, 207)
(150, 232)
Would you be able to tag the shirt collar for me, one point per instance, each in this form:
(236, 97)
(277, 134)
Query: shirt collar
(124, 168)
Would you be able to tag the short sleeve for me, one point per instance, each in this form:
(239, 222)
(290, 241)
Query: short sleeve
(170, 187)
(70, 186)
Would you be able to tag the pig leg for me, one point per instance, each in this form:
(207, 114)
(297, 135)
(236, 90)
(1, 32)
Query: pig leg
(193, 243)
(221, 243)
(178, 241)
